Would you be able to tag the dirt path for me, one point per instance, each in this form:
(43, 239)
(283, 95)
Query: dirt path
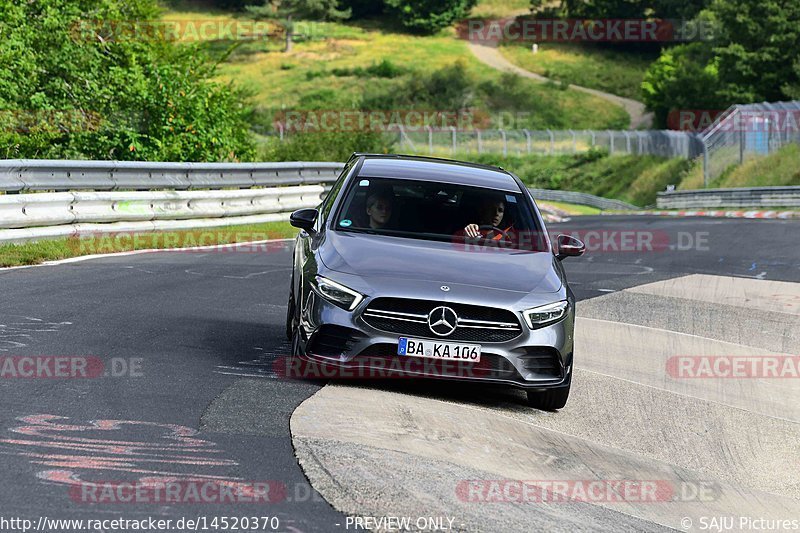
(490, 55)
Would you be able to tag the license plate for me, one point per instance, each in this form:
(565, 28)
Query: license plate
(439, 350)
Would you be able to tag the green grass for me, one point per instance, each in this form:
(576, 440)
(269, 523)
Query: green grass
(500, 8)
(573, 209)
(52, 250)
(313, 75)
(633, 179)
(614, 71)
(777, 169)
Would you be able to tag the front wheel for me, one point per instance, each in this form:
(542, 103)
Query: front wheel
(549, 400)
(290, 312)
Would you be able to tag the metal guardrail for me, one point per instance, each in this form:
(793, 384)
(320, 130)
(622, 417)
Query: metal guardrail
(112, 196)
(740, 197)
(581, 198)
(24, 175)
(28, 217)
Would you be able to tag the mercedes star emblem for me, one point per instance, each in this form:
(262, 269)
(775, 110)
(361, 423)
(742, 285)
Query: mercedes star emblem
(445, 288)
(442, 321)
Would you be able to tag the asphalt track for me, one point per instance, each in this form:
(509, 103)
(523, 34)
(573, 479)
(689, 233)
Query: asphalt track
(202, 331)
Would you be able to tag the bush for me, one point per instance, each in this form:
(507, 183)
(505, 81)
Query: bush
(684, 77)
(325, 146)
(141, 98)
(450, 88)
(428, 16)
(384, 69)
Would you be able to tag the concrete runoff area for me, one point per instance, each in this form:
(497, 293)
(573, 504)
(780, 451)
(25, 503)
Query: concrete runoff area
(726, 445)
(678, 362)
(764, 295)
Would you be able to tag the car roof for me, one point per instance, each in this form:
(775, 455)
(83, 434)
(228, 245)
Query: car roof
(437, 170)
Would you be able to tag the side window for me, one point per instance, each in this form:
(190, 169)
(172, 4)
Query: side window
(327, 204)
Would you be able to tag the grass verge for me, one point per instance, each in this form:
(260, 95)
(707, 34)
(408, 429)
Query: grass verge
(34, 253)
(614, 71)
(630, 178)
(574, 209)
(777, 169)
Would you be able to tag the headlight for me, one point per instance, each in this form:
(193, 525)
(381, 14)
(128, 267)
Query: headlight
(337, 294)
(546, 314)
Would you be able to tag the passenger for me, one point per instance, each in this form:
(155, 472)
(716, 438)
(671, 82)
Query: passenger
(379, 209)
(490, 215)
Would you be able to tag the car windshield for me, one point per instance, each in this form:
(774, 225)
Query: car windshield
(440, 211)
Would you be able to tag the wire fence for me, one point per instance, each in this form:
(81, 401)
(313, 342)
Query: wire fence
(746, 131)
(663, 143)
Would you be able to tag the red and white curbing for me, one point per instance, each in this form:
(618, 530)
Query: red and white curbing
(722, 214)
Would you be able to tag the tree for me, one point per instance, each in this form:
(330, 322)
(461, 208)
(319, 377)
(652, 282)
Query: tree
(685, 77)
(622, 9)
(428, 16)
(364, 8)
(755, 56)
(73, 86)
(288, 10)
(758, 48)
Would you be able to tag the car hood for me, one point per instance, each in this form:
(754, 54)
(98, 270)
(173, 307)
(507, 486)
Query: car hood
(379, 256)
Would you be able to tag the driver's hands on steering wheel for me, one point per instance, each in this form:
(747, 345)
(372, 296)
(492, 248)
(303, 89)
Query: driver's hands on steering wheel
(472, 231)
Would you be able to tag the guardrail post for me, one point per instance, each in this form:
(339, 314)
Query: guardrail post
(505, 142)
(430, 139)
(552, 142)
(706, 170)
(627, 141)
(280, 131)
(574, 142)
(453, 130)
(480, 142)
(641, 142)
(741, 145)
(528, 139)
(610, 141)
(594, 137)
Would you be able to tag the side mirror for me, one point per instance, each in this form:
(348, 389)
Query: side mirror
(304, 219)
(568, 246)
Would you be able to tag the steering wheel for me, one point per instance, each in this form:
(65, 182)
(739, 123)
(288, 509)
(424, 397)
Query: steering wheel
(496, 230)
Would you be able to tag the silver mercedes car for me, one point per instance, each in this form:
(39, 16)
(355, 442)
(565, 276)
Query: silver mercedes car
(415, 267)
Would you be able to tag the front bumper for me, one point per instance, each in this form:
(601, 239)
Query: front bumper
(345, 345)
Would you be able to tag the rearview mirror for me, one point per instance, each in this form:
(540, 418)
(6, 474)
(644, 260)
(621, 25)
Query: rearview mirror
(304, 219)
(568, 246)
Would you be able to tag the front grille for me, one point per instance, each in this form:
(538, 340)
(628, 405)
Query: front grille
(385, 356)
(334, 341)
(410, 317)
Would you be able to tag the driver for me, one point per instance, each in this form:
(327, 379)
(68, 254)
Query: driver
(490, 213)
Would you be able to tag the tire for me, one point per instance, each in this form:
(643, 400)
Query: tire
(295, 348)
(549, 400)
(291, 311)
